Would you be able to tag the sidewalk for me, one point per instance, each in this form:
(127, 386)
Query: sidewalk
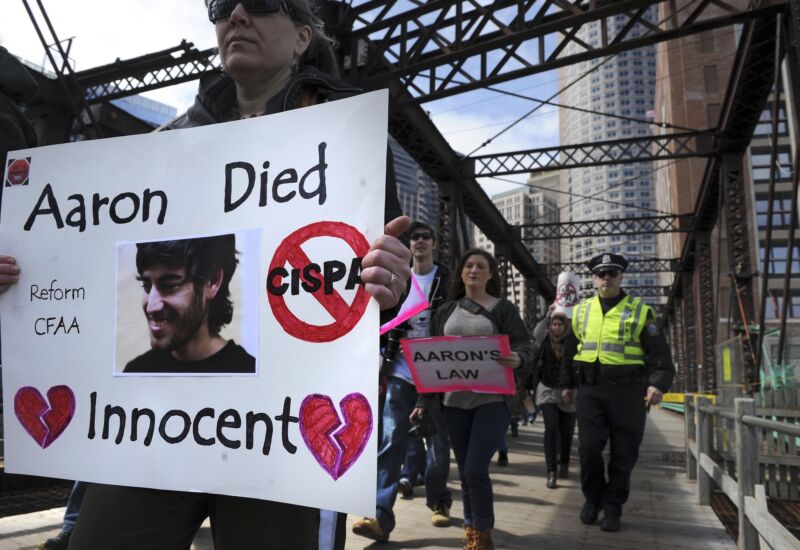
(662, 512)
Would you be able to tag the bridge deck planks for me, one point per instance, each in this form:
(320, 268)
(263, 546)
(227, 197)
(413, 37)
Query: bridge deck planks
(661, 514)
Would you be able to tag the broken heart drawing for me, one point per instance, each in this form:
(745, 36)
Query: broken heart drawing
(42, 420)
(336, 443)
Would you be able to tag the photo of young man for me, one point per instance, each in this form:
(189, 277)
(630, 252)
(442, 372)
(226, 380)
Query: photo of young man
(186, 301)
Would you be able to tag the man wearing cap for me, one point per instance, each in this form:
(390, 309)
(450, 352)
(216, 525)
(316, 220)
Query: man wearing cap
(622, 364)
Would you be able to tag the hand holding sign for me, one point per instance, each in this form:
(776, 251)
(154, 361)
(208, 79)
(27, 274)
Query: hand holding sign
(386, 267)
(9, 272)
(512, 360)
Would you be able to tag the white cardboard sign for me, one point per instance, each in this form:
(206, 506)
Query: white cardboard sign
(291, 415)
(459, 363)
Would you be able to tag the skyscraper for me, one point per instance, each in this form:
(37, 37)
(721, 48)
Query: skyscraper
(534, 203)
(624, 85)
(416, 191)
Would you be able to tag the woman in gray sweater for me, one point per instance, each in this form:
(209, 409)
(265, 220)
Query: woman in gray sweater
(478, 421)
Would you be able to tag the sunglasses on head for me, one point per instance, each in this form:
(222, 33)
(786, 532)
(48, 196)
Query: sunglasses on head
(417, 236)
(603, 273)
(222, 9)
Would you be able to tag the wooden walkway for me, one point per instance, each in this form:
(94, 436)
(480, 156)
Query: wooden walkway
(661, 514)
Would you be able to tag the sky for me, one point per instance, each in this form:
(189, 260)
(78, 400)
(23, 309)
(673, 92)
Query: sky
(104, 31)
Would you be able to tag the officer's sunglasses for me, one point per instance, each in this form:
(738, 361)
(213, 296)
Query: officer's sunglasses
(222, 9)
(603, 273)
(425, 236)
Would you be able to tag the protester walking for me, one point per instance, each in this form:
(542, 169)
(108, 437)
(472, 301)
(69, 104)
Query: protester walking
(478, 421)
(401, 396)
(559, 416)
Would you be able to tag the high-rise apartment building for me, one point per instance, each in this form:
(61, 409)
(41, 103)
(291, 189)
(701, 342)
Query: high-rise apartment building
(534, 203)
(624, 85)
(416, 191)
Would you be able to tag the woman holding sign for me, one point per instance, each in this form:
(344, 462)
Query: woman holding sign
(477, 421)
(276, 57)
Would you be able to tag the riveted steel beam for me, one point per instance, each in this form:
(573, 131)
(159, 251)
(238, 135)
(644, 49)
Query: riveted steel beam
(621, 151)
(441, 48)
(645, 225)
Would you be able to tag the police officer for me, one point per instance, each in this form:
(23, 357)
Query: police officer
(620, 360)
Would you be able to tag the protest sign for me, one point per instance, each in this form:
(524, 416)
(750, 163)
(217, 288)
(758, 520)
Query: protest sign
(567, 293)
(459, 363)
(125, 244)
(415, 302)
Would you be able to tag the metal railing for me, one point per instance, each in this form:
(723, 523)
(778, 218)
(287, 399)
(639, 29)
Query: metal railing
(738, 438)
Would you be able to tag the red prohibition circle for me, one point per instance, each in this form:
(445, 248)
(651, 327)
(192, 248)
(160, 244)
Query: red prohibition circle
(346, 315)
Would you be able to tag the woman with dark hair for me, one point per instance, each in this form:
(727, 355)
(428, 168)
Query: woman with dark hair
(559, 416)
(477, 421)
(275, 57)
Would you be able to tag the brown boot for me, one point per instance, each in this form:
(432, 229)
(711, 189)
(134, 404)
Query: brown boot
(483, 540)
(469, 537)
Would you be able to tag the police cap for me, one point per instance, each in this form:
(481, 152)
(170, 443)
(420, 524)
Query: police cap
(608, 261)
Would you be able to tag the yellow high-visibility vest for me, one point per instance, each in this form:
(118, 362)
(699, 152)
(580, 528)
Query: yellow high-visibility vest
(613, 338)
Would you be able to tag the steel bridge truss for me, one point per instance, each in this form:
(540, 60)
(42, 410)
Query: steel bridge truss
(148, 72)
(392, 45)
(423, 51)
(441, 48)
(621, 151)
(608, 227)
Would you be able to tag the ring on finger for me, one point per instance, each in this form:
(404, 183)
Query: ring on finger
(393, 278)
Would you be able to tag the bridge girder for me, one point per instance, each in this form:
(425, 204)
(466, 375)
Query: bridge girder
(601, 153)
(645, 225)
(444, 47)
(441, 48)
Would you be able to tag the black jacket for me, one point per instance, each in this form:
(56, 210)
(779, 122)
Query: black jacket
(16, 86)
(546, 368)
(438, 293)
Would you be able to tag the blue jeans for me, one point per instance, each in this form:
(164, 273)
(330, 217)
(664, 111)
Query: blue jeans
(400, 400)
(476, 434)
(73, 506)
(414, 464)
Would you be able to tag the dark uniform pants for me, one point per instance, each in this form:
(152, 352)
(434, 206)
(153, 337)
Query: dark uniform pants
(132, 518)
(616, 413)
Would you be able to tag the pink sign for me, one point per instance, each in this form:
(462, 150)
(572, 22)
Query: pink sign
(413, 304)
(459, 363)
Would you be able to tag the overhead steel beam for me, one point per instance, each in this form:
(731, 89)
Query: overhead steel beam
(747, 93)
(148, 72)
(442, 48)
(607, 227)
(654, 265)
(620, 151)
